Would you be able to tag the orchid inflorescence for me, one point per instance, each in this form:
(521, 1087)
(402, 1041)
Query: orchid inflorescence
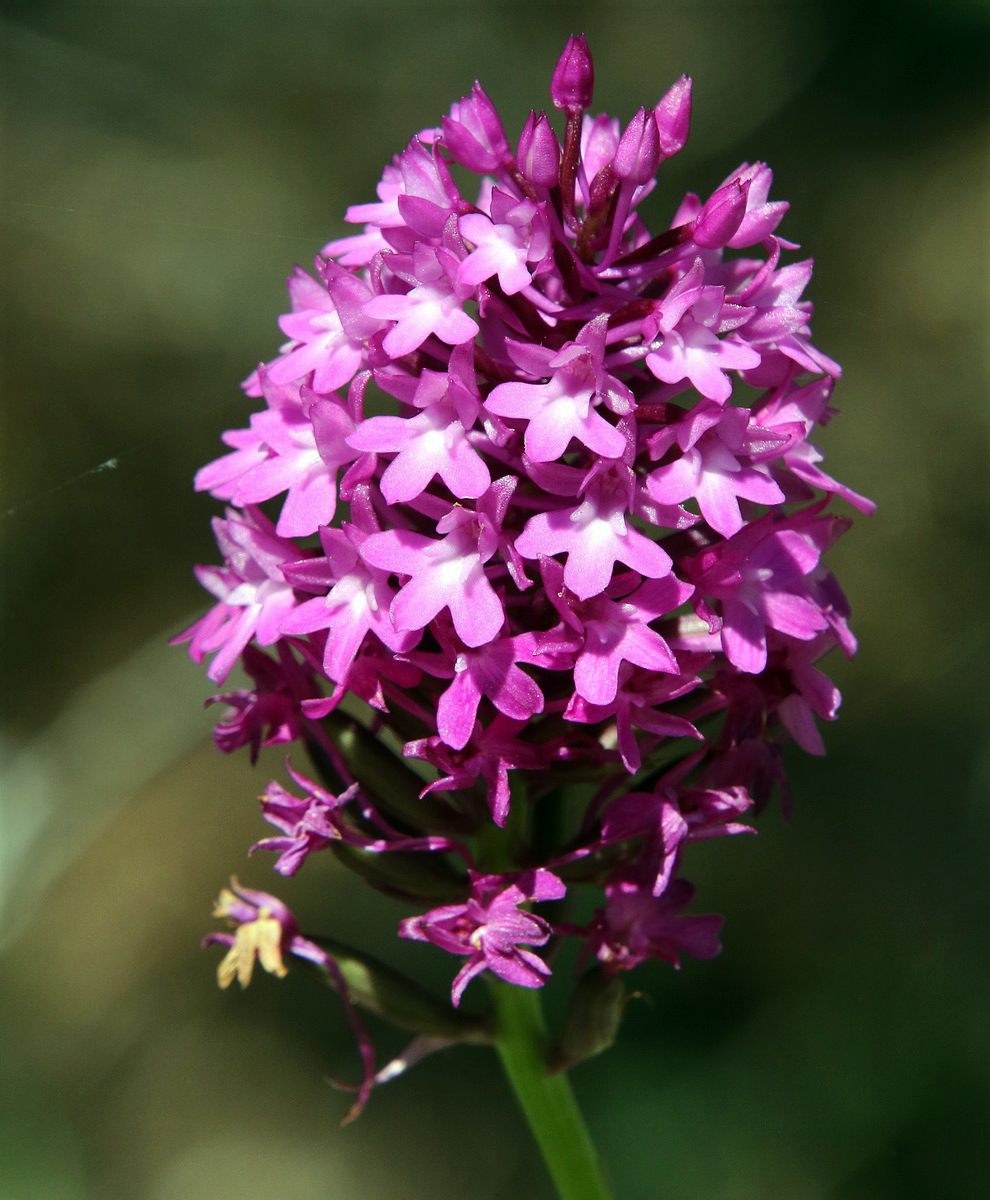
(547, 616)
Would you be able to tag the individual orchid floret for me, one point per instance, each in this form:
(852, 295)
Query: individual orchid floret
(573, 82)
(358, 600)
(307, 824)
(637, 704)
(321, 349)
(686, 345)
(489, 756)
(673, 117)
(515, 235)
(562, 408)
(433, 306)
(814, 693)
(221, 477)
(670, 816)
(357, 250)
(445, 574)
(615, 627)
(267, 932)
(252, 592)
(790, 415)
(635, 926)
(264, 931)
(491, 929)
(270, 713)
(759, 575)
(319, 818)
(474, 135)
(297, 446)
(432, 443)
(490, 671)
(594, 535)
(713, 470)
(416, 188)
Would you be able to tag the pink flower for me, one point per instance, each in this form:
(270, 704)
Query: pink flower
(433, 443)
(636, 925)
(252, 592)
(491, 931)
(445, 574)
(515, 235)
(432, 306)
(561, 409)
(594, 535)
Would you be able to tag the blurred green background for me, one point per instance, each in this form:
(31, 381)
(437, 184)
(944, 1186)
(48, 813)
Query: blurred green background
(165, 167)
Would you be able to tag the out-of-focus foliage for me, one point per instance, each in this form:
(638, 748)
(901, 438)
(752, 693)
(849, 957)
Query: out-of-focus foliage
(166, 166)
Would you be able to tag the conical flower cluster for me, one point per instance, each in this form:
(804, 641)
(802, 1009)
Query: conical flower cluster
(530, 493)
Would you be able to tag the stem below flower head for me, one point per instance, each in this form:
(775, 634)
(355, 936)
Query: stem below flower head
(546, 1100)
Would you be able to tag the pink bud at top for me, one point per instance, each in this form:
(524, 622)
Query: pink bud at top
(673, 116)
(722, 215)
(539, 151)
(638, 154)
(574, 77)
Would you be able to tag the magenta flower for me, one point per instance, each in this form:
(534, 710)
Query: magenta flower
(671, 816)
(637, 925)
(716, 444)
(550, 612)
(762, 578)
(515, 235)
(434, 443)
(270, 713)
(491, 930)
(562, 409)
(594, 535)
(432, 306)
(357, 602)
(445, 574)
(252, 592)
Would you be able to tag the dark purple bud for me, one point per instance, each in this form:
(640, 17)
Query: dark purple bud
(539, 151)
(638, 153)
(573, 80)
(673, 116)
(722, 215)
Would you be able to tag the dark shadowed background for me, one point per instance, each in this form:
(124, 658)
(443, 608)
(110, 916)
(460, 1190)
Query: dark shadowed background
(166, 165)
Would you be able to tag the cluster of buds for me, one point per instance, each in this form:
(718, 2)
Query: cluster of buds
(543, 594)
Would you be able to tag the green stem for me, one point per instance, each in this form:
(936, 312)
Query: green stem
(546, 1100)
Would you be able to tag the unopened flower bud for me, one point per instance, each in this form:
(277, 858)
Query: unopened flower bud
(673, 116)
(539, 151)
(638, 154)
(593, 1018)
(722, 215)
(573, 80)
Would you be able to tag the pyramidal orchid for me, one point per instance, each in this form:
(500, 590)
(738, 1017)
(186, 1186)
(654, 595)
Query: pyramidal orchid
(531, 490)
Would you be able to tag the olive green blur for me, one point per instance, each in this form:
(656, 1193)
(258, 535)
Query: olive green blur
(166, 164)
